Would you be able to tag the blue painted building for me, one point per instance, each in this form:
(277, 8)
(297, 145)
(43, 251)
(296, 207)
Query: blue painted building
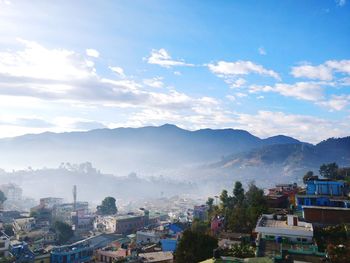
(168, 244)
(21, 252)
(75, 253)
(323, 193)
(325, 187)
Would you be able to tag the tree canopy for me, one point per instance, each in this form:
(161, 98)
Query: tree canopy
(2, 197)
(63, 231)
(108, 206)
(195, 247)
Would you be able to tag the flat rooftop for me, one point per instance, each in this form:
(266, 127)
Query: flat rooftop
(266, 222)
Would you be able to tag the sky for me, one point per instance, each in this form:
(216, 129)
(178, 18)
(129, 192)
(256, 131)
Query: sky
(268, 67)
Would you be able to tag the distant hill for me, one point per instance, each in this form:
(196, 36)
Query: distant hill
(120, 151)
(197, 162)
(290, 159)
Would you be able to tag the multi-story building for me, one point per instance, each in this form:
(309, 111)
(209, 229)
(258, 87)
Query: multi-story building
(65, 212)
(121, 224)
(25, 225)
(323, 192)
(146, 237)
(79, 252)
(50, 202)
(200, 212)
(12, 192)
(21, 252)
(290, 230)
(4, 245)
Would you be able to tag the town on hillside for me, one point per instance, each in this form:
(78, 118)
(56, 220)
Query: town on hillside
(287, 223)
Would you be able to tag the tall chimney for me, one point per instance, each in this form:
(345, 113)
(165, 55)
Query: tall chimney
(74, 197)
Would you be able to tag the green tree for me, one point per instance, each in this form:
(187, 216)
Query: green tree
(308, 176)
(238, 193)
(210, 203)
(329, 170)
(200, 226)
(63, 231)
(108, 206)
(195, 247)
(224, 198)
(8, 230)
(256, 204)
(2, 197)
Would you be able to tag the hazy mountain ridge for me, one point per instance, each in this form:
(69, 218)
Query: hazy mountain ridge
(292, 159)
(213, 159)
(123, 150)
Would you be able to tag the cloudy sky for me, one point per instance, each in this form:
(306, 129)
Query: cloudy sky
(269, 67)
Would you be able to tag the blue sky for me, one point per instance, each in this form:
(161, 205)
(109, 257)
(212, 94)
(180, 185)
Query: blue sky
(269, 67)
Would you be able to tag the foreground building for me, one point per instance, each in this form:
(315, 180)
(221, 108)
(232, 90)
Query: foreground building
(290, 230)
(121, 224)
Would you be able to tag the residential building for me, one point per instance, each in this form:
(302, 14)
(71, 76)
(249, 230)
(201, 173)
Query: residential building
(109, 255)
(12, 192)
(4, 244)
(21, 252)
(291, 230)
(325, 187)
(169, 244)
(146, 237)
(324, 215)
(159, 257)
(323, 192)
(217, 224)
(50, 202)
(78, 252)
(25, 225)
(121, 224)
(200, 212)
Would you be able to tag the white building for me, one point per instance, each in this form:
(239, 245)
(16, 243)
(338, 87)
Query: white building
(4, 245)
(23, 224)
(12, 192)
(291, 229)
(146, 237)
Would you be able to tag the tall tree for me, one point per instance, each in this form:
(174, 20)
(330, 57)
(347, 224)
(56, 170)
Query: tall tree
(238, 193)
(224, 198)
(2, 197)
(329, 170)
(195, 247)
(108, 206)
(63, 231)
(256, 204)
(308, 176)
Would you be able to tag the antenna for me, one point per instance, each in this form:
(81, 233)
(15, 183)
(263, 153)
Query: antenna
(74, 197)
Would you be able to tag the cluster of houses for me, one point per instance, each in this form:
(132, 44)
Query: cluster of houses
(143, 236)
(288, 232)
(140, 236)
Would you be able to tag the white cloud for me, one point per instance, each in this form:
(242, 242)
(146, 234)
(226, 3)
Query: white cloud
(241, 95)
(38, 62)
(262, 51)
(320, 72)
(240, 67)
(303, 127)
(154, 82)
(235, 83)
(310, 91)
(336, 102)
(118, 70)
(92, 53)
(340, 2)
(231, 97)
(323, 71)
(162, 58)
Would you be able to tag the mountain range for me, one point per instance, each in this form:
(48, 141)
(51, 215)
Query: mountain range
(206, 154)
